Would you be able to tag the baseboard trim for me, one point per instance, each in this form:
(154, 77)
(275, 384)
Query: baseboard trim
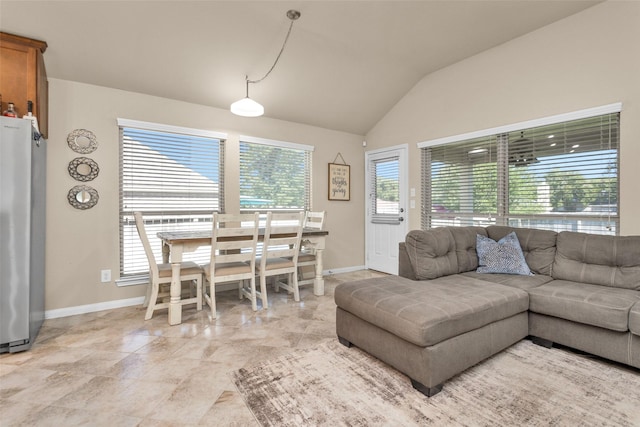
(344, 270)
(91, 308)
(109, 305)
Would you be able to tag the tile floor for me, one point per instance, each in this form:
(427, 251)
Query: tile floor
(112, 368)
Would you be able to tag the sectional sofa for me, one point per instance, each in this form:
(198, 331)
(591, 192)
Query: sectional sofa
(441, 316)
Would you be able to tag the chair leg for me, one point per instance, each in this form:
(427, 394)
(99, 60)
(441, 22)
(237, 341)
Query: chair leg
(199, 293)
(153, 298)
(212, 300)
(254, 298)
(147, 297)
(240, 287)
(263, 291)
(293, 279)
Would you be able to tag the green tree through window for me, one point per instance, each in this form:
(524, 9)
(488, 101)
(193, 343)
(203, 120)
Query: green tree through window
(273, 177)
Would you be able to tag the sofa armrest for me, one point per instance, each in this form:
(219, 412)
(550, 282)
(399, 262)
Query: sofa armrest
(404, 265)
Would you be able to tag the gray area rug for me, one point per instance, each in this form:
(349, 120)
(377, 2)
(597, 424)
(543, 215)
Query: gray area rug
(523, 385)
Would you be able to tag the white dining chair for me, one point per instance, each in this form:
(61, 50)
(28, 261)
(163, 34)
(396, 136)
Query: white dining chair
(160, 274)
(283, 232)
(307, 256)
(234, 239)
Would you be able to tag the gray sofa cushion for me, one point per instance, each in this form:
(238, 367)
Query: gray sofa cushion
(405, 269)
(634, 319)
(599, 260)
(432, 253)
(595, 305)
(465, 246)
(426, 313)
(520, 282)
(538, 246)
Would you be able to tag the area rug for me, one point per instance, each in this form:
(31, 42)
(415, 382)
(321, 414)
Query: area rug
(524, 385)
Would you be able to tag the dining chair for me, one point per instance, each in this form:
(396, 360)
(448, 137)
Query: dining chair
(282, 235)
(307, 255)
(160, 275)
(234, 239)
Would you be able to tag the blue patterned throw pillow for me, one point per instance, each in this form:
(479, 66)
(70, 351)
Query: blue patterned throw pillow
(504, 256)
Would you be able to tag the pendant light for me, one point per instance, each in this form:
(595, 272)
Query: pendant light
(247, 107)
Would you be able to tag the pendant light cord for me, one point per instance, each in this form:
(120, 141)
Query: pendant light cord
(292, 17)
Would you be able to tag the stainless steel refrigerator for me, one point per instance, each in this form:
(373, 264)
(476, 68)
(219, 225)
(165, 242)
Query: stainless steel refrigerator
(22, 234)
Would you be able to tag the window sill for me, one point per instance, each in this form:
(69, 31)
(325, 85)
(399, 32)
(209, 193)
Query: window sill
(142, 279)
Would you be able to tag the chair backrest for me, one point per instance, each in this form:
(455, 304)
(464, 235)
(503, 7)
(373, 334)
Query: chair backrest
(314, 220)
(282, 236)
(234, 238)
(142, 233)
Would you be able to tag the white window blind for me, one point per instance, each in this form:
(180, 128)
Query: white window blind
(385, 179)
(462, 180)
(175, 180)
(561, 176)
(274, 177)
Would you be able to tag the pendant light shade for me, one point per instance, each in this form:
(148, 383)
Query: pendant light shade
(247, 107)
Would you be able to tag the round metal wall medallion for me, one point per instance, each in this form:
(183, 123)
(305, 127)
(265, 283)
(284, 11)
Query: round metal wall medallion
(83, 197)
(83, 169)
(82, 141)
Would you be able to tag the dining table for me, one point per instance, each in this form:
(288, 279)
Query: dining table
(177, 243)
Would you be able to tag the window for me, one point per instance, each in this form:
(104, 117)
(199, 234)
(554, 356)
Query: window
(386, 175)
(561, 175)
(174, 177)
(274, 175)
(385, 187)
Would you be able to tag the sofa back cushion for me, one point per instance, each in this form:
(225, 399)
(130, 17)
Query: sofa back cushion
(432, 253)
(538, 246)
(465, 244)
(599, 260)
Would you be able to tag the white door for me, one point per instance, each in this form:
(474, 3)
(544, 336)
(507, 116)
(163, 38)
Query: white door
(386, 184)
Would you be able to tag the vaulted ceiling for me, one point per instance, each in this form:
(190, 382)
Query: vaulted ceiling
(346, 63)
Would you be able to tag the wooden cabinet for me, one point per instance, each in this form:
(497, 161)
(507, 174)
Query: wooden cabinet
(23, 77)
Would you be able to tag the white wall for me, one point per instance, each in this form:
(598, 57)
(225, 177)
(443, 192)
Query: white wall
(81, 243)
(586, 60)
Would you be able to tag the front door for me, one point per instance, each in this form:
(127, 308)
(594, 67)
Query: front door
(386, 183)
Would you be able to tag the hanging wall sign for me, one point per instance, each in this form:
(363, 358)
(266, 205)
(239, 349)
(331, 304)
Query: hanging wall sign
(339, 180)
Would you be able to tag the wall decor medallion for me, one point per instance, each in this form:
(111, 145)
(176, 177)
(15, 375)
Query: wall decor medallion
(83, 197)
(82, 141)
(83, 169)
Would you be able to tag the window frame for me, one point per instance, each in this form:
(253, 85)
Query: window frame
(308, 153)
(126, 222)
(505, 163)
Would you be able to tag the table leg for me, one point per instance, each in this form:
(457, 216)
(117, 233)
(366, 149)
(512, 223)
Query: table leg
(318, 281)
(175, 307)
(166, 250)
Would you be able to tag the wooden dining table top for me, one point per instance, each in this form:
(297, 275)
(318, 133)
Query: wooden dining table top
(191, 236)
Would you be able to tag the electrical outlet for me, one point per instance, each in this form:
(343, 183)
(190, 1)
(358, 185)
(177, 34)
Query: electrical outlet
(105, 276)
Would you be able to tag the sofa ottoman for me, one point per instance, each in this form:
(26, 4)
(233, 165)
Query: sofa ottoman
(430, 331)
